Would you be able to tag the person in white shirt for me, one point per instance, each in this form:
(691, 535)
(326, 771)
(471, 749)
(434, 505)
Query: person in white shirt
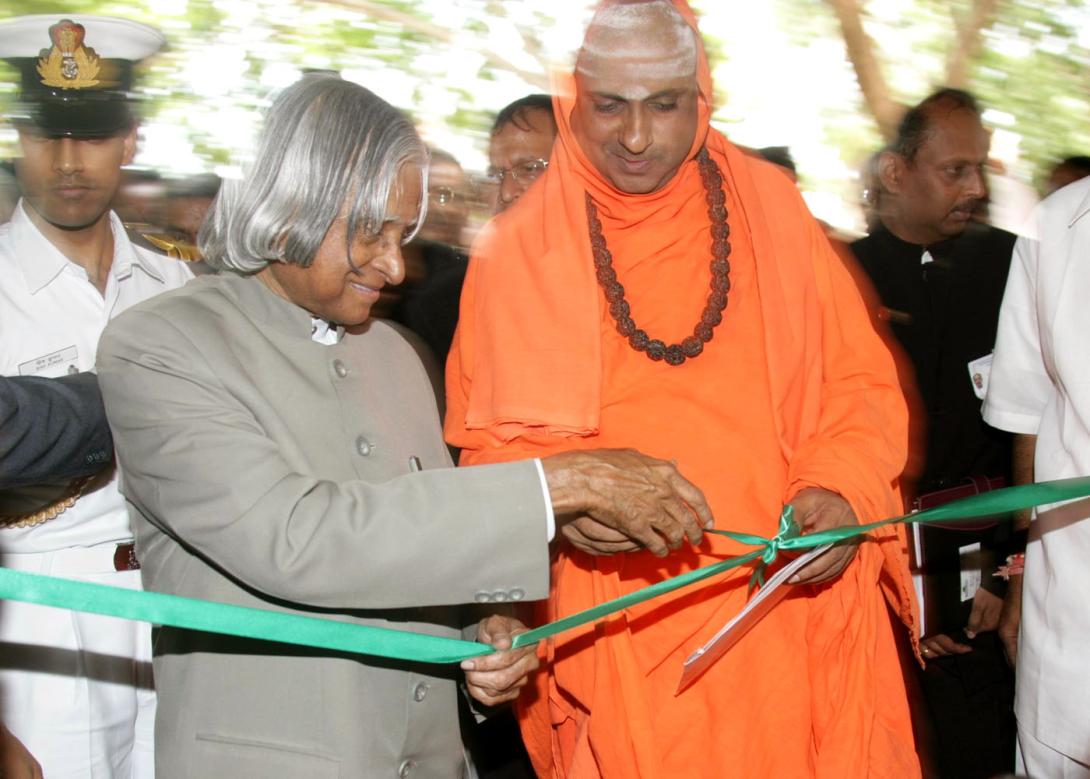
(76, 688)
(1040, 390)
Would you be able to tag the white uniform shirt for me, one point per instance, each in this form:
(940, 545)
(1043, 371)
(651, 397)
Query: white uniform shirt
(1040, 384)
(51, 317)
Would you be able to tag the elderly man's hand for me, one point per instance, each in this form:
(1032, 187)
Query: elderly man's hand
(645, 499)
(497, 678)
(590, 536)
(820, 509)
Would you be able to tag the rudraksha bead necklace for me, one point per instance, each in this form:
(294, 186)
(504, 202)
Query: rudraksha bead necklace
(674, 354)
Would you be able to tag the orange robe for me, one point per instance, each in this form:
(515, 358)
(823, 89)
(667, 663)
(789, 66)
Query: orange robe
(794, 390)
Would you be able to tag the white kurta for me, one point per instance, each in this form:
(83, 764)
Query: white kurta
(76, 687)
(1040, 384)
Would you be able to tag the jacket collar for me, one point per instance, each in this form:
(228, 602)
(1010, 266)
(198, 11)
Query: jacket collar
(1082, 210)
(265, 307)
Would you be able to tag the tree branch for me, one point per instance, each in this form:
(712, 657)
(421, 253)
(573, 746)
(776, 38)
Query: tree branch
(868, 69)
(377, 10)
(969, 39)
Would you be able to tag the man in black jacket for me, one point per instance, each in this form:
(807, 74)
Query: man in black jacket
(51, 429)
(940, 275)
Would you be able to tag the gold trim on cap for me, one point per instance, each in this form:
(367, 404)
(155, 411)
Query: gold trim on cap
(69, 64)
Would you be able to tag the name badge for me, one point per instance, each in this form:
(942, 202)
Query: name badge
(970, 564)
(979, 369)
(60, 363)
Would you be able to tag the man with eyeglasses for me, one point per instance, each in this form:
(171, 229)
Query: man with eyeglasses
(435, 262)
(447, 206)
(519, 148)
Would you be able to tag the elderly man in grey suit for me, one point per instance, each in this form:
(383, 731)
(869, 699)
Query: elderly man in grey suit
(281, 449)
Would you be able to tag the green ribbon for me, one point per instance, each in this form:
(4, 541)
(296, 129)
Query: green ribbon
(176, 611)
(985, 504)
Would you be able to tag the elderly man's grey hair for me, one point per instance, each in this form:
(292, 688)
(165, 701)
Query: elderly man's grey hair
(326, 143)
(622, 29)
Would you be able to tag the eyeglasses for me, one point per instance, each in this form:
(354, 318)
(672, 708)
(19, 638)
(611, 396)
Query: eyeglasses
(444, 195)
(525, 171)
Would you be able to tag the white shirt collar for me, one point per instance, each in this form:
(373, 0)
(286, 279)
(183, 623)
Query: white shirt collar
(41, 262)
(324, 332)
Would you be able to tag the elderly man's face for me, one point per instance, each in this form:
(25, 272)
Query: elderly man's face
(334, 290)
(634, 120)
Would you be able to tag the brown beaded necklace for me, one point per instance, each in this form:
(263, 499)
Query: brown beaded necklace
(674, 354)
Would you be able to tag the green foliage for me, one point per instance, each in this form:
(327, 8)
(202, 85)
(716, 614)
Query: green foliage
(1031, 67)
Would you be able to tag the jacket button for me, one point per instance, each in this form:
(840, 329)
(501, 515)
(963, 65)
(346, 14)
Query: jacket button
(363, 446)
(499, 596)
(340, 368)
(517, 594)
(420, 692)
(406, 768)
(483, 597)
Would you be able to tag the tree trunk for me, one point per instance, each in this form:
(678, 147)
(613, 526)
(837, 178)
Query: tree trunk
(968, 41)
(868, 68)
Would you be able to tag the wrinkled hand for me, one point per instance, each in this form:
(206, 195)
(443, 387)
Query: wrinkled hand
(643, 498)
(16, 762)
(820, 509)
(1010, 618)
(592, 537)
(497, 678)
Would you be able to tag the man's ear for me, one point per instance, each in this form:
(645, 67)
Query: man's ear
(891, 170)
(129, 146)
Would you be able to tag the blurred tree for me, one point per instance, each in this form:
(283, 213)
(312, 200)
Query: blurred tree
(452, 62)
(224, 60)
(1026, 59)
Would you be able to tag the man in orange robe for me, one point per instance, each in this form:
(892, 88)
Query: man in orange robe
(593, 316)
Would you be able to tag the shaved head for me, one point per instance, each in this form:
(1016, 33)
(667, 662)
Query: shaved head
(648, 34)
(637, 97)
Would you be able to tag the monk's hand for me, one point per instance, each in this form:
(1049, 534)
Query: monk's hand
(645, 499)
(497, 678)
(820, 509)
(588, 535)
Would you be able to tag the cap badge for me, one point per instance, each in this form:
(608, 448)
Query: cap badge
(69, 65)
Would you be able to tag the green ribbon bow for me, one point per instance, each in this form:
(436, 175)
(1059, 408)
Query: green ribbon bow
(788, 529)
(176, 611)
